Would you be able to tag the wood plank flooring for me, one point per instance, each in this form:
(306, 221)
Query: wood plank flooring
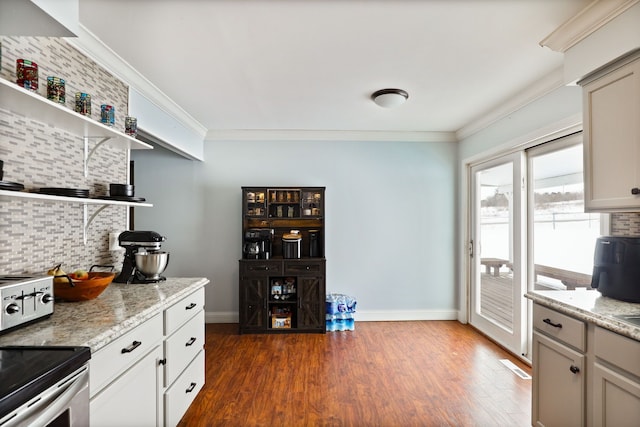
(384, 374)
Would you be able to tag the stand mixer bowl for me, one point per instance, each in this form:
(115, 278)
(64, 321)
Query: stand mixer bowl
(152, 264)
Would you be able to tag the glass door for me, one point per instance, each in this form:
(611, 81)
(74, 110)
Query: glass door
(497, 305)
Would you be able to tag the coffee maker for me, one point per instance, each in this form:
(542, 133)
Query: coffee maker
(257, 243)
(140, 246)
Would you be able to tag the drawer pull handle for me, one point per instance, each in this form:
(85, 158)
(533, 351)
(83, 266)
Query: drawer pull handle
(190, 306)
(191, 387)
(555, 325)
(574, 369)
(132, 347)
(190, 342)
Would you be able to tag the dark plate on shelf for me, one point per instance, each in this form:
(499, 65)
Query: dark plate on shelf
(69, 192)
(123, 198)
(11, 186)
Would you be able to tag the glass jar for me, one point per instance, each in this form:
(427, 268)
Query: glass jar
(56, 90)
(83, 103)
(27, 74)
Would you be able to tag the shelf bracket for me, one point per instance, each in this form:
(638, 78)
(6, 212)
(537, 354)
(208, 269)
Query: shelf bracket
(88, 153)
(87, 222)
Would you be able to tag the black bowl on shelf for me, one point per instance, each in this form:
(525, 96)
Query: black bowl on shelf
(121, 190)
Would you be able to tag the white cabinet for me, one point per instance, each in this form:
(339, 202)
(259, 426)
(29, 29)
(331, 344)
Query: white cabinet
(125, 374)
(150, 375)
(132, 399)
(184, 369)
(616, 380)
(611, 122)
(558, 393)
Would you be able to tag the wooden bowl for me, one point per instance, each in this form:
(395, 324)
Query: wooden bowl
(83, 290)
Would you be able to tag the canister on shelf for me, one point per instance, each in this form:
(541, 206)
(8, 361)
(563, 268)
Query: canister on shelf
(27, 74)
(56, 90)
(83, 103)
(107, 114)
(131, 126)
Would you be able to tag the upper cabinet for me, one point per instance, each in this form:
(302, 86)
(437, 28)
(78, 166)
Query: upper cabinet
(611, 109)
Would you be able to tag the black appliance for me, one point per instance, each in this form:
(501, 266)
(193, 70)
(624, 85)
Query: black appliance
(258, 243)
(133, 242)
(44, 386)
(616, 268)
(314, 244)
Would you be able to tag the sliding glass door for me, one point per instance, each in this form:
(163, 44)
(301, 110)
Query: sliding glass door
(496, 304)
(528, 231)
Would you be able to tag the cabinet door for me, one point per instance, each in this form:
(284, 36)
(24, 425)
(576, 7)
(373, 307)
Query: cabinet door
(254, 202)
(253, 300)
(611, 108)
(311, 298)
(133, 399)
(558, 397)
(616, 398)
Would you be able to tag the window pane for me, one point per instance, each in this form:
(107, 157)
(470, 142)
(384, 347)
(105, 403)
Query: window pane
(563, 234)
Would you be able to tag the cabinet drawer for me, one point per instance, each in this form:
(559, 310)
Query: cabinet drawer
(181, 347)
(618, 350)
(303, 267)
(251, 268)
(560, 326)
(183, 310)
(110, 361)
(180, 395)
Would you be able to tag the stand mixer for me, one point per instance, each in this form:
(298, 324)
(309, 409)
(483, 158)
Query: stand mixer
(143, 261)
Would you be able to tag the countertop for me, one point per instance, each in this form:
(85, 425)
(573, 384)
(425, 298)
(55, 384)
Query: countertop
(95, 323)
(591, 306)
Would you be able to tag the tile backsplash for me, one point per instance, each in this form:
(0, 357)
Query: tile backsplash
(625, 224)
(34, 234)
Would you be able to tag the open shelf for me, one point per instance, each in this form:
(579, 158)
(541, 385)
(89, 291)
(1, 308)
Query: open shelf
(36, 107)
(82, 200)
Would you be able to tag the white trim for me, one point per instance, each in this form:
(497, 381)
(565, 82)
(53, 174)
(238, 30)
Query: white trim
(90, 45)
(360, 316)
(327, 135)
(585, 23)
(536, 90)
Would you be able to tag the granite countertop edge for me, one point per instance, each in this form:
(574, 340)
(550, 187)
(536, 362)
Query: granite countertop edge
(597, 309)
(98, 322)
(122, 328)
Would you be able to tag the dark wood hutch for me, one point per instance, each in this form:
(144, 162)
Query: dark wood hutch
(282, 283)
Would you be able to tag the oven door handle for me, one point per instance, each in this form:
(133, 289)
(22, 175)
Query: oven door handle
(43, 416)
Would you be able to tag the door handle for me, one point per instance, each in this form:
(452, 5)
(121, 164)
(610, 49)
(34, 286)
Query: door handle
(555, 325)
(190, 342)
(132, 347)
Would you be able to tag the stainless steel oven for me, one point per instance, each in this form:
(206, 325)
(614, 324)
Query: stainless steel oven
(44, 386)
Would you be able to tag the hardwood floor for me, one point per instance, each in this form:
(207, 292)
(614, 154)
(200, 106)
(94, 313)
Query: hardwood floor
(422, 373)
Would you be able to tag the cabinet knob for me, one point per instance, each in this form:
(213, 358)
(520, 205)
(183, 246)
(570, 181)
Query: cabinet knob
(574, 369)
(635, 191)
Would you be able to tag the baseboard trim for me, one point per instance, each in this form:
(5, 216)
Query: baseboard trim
(360, 316)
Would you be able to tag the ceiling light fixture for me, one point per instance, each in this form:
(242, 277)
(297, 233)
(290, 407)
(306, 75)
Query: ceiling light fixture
(389, 98)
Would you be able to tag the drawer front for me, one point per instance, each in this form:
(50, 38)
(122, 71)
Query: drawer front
(176, 315)
(620, 351)
(304, 267)
(560, 326)
(181, 347)
(180, 395)
(112, 360)
(267, 268)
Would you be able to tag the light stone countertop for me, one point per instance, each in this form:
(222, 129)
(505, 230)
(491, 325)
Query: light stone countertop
(95, 323)
(591, 306)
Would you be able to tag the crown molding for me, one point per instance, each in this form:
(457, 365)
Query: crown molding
(534, 91)
(586, 22)
(328, 135)
(90, 45)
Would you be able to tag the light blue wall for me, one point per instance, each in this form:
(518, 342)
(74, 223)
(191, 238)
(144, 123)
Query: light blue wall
(390, 217)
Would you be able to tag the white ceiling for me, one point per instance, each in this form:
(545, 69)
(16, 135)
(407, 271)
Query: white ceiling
(313, 64)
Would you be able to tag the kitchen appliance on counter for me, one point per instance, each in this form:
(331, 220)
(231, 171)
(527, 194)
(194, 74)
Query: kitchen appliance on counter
(258, 243)
(616, 268)
(24, 299)
(143, 260)
(44, 386)
(291, 244)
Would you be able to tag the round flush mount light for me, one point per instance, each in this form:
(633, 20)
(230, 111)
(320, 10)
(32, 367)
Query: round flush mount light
(389, 98)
